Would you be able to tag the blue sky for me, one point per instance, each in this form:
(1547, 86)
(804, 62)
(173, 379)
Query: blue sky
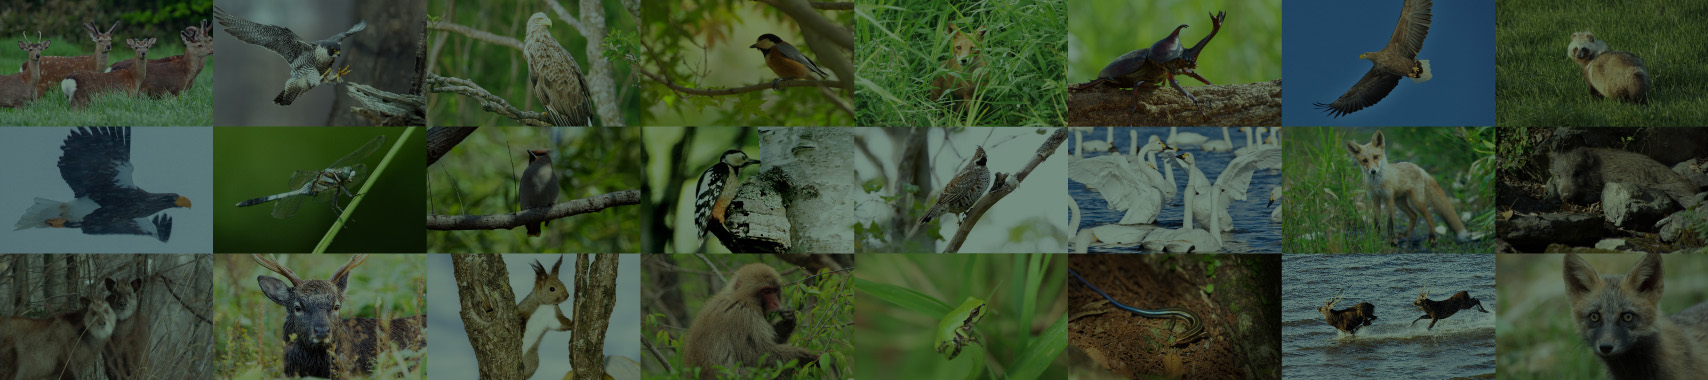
(1322, 41)
(164, 160)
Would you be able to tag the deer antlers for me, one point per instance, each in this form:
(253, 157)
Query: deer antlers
(292, 276)
(1334, 300)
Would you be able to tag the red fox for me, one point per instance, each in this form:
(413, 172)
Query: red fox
(1415, 190)
(1619, 319)
(964, 59)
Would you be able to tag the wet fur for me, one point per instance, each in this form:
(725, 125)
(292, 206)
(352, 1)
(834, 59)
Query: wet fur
(1349, 319)
(1436, 311)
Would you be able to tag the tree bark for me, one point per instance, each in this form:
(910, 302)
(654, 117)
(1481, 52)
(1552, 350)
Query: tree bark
(488, 310)
(819, 192)
(1237, 105)
(390, 44)
(595, 296)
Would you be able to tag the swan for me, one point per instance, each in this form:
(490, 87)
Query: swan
(1182, 139)
(1098, 145)
(1186, 239)
(1223, 145)
(1275, 195)
(1254, 140)
(1125, 187)
(1108, 233)
(1230, 185)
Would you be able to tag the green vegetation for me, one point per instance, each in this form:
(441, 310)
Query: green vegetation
(192, 107)
(247, 323)
(1327, 210)
(900, 53)
(1537, 337)
(1248, 49)
(903, 298)
(1540, 86)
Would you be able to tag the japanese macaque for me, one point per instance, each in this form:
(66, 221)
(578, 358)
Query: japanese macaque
(538, 313)
(731, 329)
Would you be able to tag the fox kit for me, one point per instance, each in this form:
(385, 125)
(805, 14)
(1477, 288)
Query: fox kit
(1610, 73)
(964, 59)
(56, 347)
(1619, 319)
(1403, 185)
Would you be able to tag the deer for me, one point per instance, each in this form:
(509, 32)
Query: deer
(318, 342)
(82, 86)
(19, 89)
(126, 353)
(57, 346)
(176, 74)
(56, 68)
(1439, 310)
(538, 313)
(1348, 319)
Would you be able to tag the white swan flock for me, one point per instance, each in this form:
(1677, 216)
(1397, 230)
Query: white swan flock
(1140, 185)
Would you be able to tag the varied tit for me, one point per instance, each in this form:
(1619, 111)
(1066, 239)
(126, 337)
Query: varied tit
(786, 61)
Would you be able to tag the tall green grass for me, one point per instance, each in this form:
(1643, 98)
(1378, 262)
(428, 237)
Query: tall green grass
(193, 107)
(902, 45)
(1327, 210)
(1540, 86)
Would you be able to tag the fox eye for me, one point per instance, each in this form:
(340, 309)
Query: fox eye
(1377, 156)
(1595, 317)
(1628, 317)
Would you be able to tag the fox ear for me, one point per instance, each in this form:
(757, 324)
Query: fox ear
(1352, 147)
(1377, 140)
(1580, 277)
(1645, 278)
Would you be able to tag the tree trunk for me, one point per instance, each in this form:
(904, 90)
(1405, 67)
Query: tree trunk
(394, 33)
(595, 296)
(817, 187)
(488, 310)
(913, 166)
(21, 285)
(53, 283)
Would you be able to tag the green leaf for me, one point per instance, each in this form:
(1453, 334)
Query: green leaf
(903, 297)
(1037, 357)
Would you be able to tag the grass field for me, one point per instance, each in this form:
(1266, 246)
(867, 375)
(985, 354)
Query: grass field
(1540, 86)
(1536, 337)
(900, 52)
(191, 108)
(249, 345)
(1326, 207)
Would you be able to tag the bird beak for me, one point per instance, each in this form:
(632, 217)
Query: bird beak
(755, 46)
(182, 202)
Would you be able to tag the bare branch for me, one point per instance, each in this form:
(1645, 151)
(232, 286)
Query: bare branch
(477, 34)
(488, 101)
(1005, 185)
(383, 108)
(534, 215)
(440, 140)
(1234, 105)
(738, 90)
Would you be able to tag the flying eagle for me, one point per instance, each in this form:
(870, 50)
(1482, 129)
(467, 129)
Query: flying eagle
(554, 77)
(1398, 59)
(311, 62)
(96, 164)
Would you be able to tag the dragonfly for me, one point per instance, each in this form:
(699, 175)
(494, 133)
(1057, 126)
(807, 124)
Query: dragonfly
(322, 185)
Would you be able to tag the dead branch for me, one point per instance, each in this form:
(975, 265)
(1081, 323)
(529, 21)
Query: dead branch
(488, 101)
(534, 215)
(477, 34)
(388, 109)
(1249, 104)
(744, 89)
(1005, 185)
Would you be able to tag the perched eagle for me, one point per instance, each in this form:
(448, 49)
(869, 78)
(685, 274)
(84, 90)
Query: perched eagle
(552, 73)
(96, 164)
(311, 62)
(1398, 59)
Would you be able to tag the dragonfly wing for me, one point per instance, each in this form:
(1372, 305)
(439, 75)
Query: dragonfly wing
(287, 206)
(360, 153)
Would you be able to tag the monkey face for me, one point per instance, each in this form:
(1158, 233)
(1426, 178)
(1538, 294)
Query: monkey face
(769, 297)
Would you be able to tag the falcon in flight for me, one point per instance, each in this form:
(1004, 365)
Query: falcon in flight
(311, 62)
(554, 77)
(96, 164)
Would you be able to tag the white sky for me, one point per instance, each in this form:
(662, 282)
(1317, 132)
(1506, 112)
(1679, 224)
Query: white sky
(165, 160)
(451, 356)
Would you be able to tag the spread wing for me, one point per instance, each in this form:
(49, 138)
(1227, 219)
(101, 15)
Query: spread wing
(1412, 28)
(1371, 89)
(556, 80)
(1120, 185)
(95, 162)
(276, 38)
(353, 29)
(1236, 178)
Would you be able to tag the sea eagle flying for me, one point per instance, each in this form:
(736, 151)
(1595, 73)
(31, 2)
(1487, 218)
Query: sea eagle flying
(1398, 59)
(95, 162)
